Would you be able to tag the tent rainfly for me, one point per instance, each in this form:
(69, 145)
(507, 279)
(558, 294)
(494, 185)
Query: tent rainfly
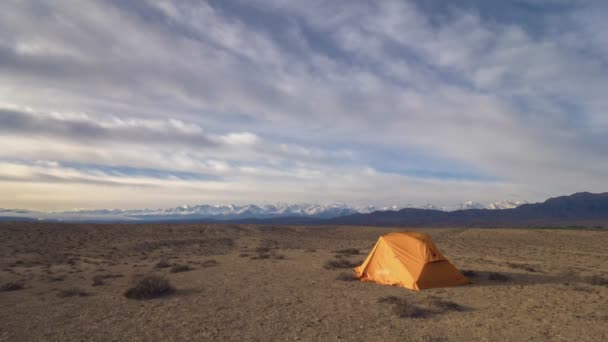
(410, 260)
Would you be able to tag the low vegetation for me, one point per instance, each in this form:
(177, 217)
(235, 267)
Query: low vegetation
(404, 309)
(597, 280)
(163, 264)
(177, 268)
(525, 267)
(429, 307)
(12, 286)
(72, 292)
(210, 263)
(152, 286)
(348, 251)
(99, 279)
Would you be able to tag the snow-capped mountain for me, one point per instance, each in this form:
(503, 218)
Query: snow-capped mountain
(505, 204)
(223, 212)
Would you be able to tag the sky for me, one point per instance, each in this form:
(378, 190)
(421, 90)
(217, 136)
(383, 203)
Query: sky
(133, 104)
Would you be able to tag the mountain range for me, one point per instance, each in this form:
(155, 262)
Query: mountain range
(227, 212)
(579, 209)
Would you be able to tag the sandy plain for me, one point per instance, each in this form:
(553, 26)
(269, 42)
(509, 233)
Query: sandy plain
(270, 283)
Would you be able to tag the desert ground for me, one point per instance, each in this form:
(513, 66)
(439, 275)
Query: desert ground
(67, 282)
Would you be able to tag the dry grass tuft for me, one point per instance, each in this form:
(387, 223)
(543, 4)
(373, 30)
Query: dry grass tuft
(261, 256)
(177, 268)
(433, 306)
(72, 292)
(525, 267)
(12, 286)
(597, 280)
(98, 280)
(163, 264)
(149, 287)
(210, 263)
(348, 251)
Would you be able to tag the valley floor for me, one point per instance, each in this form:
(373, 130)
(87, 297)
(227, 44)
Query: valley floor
(265, 283)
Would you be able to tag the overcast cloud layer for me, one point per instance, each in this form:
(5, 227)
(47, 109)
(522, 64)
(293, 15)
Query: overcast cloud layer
(135, 104)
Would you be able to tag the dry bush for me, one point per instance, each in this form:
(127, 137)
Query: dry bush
(210, 263)
(348, 251)
(262, 250)
(56, 278)
(12, 286)
(442, 305)
(389, 300)
(346, 277)
(149, 287)
(243, 255)
(279, 256)
(261, 256)
(403, 309)
(597, 280)
(522, 267)
(310, 250)
(163, 264)
(340, 263)
(498, 277)
(98, 280)
(180, 268)
(432, 306)
(72, 292)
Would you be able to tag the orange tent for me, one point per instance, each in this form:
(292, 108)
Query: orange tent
(410, 260)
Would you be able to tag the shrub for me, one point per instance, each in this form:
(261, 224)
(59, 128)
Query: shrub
(339, 263)
(389, 300)
(180, 268)
(149, 287)
(243, 255)
(404, 309)
(163, 264)
(522, 267)
(98, 280)
(261, 256)
(11, 286)
(210, 263)
(597, 280)
(348, 251)
(446, 305)
(72, 292)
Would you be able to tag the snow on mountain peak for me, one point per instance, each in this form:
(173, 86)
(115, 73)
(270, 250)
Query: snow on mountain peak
(236, 212)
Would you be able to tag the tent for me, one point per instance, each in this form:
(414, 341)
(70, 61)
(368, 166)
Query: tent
(410, 260)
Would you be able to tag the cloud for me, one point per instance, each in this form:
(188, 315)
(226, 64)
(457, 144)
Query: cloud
(489, 101)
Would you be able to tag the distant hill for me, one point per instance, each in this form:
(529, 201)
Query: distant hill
(580, 209)
(584, 209)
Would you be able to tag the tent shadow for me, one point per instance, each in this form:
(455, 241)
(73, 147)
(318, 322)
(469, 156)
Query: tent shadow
(487, 278)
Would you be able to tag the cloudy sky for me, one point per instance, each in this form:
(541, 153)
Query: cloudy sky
(130, 104)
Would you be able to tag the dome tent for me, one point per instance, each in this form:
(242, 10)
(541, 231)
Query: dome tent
(410, 260)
